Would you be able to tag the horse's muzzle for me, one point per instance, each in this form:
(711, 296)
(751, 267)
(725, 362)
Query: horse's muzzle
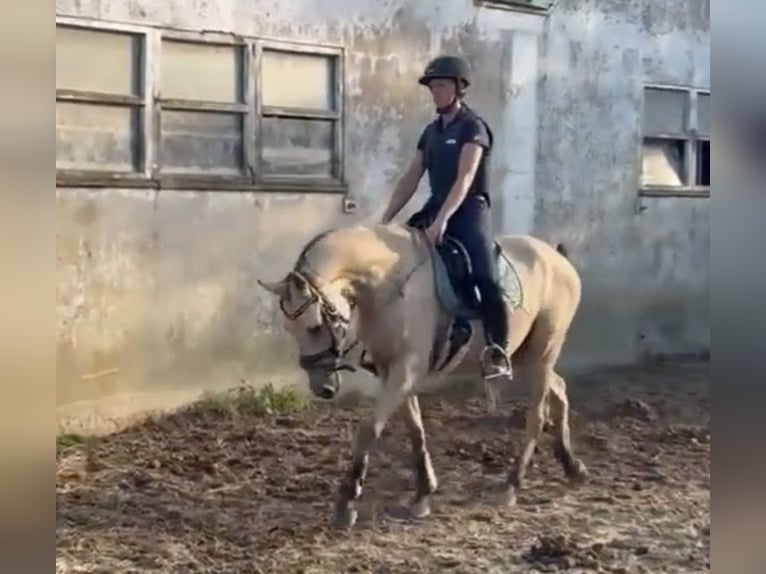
(323, 384)
(329, 361)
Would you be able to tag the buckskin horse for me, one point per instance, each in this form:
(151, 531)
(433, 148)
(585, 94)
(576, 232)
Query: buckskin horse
(413, 309)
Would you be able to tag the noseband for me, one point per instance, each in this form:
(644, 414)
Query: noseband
(332, 359)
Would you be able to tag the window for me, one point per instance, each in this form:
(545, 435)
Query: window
(300, 114)
(196, 111)
(676, 141)
(202, 109)
(100, 101)
(702, 142)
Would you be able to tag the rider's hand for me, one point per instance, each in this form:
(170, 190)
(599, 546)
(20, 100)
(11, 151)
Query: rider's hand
(435, 231)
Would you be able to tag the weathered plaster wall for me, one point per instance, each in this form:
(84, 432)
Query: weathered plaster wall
(644, 263)
(156, 293)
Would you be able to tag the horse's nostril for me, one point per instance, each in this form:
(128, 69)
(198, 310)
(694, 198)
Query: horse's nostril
(327, 393)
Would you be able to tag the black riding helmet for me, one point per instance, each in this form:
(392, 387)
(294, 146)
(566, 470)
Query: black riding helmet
(451, 67)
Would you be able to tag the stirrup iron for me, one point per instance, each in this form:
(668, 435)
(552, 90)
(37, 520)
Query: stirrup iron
(506, 369)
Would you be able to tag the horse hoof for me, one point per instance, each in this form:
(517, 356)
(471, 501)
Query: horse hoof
(421, 508)
(579, 474)
(345, 517)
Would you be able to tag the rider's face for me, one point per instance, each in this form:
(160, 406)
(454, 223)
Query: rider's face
(442, 91)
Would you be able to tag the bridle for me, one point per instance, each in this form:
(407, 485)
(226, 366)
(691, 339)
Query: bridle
(332, 359)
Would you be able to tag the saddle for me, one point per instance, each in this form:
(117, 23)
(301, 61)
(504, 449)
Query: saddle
(458, 295)
(455, 284)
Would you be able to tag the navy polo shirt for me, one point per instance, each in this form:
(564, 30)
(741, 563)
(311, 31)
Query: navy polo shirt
(441, 145)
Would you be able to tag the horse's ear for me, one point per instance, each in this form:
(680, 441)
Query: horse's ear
(278, 288)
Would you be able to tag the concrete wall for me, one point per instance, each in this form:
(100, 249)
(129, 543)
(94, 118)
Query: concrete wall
(644, 262)
(156, 293)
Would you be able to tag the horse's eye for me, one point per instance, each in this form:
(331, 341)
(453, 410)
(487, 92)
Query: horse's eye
(315, 330)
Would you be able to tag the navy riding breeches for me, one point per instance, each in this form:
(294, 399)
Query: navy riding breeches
(471, 225)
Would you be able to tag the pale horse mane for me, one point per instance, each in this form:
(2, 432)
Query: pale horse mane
(367, 256)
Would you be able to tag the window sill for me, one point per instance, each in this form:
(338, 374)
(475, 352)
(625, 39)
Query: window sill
(660, 191)
(198, 183)
(515, 6)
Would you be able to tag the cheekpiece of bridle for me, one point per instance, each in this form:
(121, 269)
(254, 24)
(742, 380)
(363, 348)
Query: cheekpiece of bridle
(332, 359)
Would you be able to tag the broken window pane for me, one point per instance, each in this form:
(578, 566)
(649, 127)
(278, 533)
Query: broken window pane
(664, 163)
(96, 137)
(664, 112)
(202, 143)
(703, 114)
(292, 80)
(703, 163)
(204, 72)
(297, 147)
(98, 61)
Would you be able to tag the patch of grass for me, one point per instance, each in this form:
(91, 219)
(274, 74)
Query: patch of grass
(68, 440)
(352, 400)
(265, 400)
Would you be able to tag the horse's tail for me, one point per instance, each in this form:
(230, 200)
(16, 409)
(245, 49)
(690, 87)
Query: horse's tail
(562, 250)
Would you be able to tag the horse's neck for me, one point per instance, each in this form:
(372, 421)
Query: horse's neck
(365, 260)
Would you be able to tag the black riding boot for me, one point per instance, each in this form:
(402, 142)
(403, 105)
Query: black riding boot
(495, 360)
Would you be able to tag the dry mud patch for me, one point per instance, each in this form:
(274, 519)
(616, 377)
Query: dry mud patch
(206, 492)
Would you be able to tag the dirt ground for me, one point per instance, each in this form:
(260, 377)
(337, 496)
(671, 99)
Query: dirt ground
(203, 492)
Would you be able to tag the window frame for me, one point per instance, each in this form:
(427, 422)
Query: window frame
(243, 109)
(143, 103)
(337, 116)
(690, 137)
(150, 174)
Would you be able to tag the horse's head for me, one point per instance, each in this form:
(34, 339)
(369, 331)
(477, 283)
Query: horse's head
(319, 323)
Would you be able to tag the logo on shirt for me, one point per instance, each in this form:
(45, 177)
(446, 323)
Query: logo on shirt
(451, 141)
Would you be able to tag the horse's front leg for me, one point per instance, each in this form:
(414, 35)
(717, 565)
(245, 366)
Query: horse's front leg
(397, 383)
(425, 478)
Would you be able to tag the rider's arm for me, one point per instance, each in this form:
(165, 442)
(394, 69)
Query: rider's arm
(474, 139)
(405, 188)
(408, 183)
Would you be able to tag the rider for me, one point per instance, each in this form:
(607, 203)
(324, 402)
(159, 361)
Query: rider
(455, 150)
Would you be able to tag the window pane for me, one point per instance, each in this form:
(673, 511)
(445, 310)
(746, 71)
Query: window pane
(664, 111)
(703, 163)
(96, 137)
(97, 61)
(205, 72)
(293, 80)
(663, 163)
(203, 143)
(703, 114)
(297, 147)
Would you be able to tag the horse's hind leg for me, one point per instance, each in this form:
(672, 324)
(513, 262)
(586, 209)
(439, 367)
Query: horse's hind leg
(548, 394)
(425, 479)
(536, 415)
(574, 469)
(536, 359)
